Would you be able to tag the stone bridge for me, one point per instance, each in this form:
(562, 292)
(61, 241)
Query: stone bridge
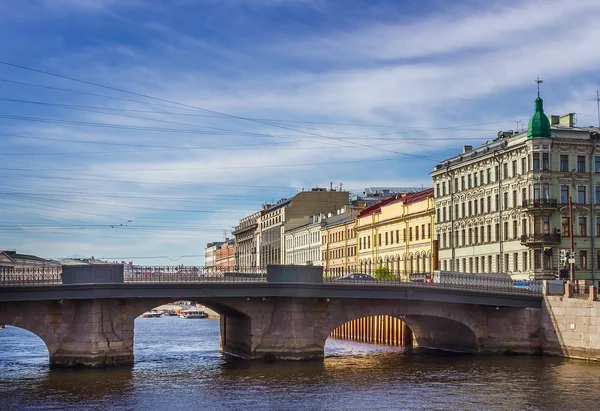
(289, 317)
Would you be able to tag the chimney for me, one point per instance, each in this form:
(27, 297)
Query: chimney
(568, 120)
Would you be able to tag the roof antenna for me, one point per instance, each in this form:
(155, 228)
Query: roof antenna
(538, 81)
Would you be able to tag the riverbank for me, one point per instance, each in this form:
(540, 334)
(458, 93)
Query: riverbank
(176, 307)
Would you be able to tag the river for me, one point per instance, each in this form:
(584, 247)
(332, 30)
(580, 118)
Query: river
(179, 367)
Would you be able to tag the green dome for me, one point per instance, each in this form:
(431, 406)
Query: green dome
(539, 125)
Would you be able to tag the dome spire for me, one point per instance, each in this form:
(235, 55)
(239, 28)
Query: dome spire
(539, 125)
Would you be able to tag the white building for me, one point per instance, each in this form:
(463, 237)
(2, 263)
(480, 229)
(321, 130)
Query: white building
(303, 244)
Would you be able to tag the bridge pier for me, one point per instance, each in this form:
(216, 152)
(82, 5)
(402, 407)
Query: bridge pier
(278, 329)
(100, 334)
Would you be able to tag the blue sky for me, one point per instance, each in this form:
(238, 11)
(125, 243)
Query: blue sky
(189, 115)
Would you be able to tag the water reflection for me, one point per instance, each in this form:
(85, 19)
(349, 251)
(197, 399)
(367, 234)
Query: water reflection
(178, 366)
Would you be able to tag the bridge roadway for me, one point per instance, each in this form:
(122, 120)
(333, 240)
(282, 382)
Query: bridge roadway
(288, 316)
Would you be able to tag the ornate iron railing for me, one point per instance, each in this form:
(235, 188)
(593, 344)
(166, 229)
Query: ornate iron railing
(540, 203)
(30, 276)
(491, 282)
(373, 277)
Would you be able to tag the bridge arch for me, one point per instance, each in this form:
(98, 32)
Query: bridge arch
(433, 326)
(25, 321)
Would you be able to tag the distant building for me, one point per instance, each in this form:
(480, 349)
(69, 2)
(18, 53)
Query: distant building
(210, 256)
(338, 240)
(20, 261)
(288, 214)
(225, 256)
(303, 243)
(246, 242)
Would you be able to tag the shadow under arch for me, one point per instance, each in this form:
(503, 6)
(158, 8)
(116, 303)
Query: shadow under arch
(31, 324)
(431, 327)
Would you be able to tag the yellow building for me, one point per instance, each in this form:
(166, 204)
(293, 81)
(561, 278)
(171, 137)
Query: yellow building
(398, 233)
(338, 242)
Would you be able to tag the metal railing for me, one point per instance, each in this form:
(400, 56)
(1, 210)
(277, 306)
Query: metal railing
(383, 277)
(581, 291)
(182, 274)
(540, 203)
(492, 283)
(30, 276)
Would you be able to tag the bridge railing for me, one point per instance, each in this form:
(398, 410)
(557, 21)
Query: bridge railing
(195, 274)
(30, 275)
(460, 281)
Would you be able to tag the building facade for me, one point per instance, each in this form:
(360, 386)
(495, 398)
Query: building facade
(288, 214)
(504, 207)
(225, 257)
(303, 244)
(210, 256)
(338, 241)
(246, 242)
(397, 233)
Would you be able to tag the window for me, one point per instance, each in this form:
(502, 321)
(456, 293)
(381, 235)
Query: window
(564, 162)
(536, 191)
(564, 194)
(497, 202)
(456, 184)
(497, 172)
(583, 260)
(482, 234)
(582, 226)
(428, 230)
(545, 191)
(514, 199)
(462, 209)
(444, 240)
(398, 232)
(524, 226)
(386, 238)
(565, 226)
(437, 189)
(475, 179)
(475, 207)
(524, 194)
(581, 164)
(546, 161)
(462, 182)
(481, 205)
(505, 231)
(489, 175)
(581, 194)
(410, 234)
(464, 237)
(505, 205)
(537, 259)
(470, 209)
(597, 164)
(515, 261)
(489, 204)
(481, 177)
(546, 224)
(475, 236)
(456, 211)
(525, 266)
(497, 232)
(598, 259)
(444, 214)
(444, 188)
(505, 170)
(514, 168)
(515, 224)
(506, 262)
(597, 226)
(597, 194)
(469, 180)
(523, 165)
(489, 233)
(536, 161)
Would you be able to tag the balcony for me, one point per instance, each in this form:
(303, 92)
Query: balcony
(540, 203)
(540, 239)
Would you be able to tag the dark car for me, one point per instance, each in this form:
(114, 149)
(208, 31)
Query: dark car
(357, 277)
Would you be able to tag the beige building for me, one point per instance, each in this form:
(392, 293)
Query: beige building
(288, 214)
(504, 206)
(398, 233)
(246, 241)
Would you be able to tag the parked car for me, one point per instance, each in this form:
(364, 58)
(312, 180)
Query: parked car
(357, 277)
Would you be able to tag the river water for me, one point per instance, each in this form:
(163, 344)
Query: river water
(179, 367)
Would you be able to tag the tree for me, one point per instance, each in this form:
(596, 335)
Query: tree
(383, 273)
